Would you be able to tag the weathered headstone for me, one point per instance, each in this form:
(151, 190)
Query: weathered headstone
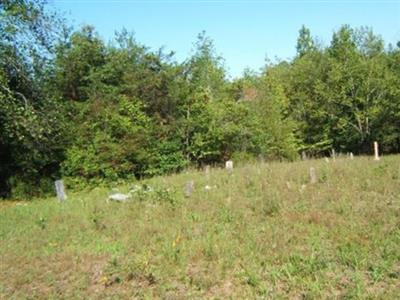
(313, 176)
(60, 190)
(207, 172)
(326, 160)
(303, 155)
(333, 154)
(119, 197)
(351, 155)
(189, 188)
(229, 166)
(376, 151)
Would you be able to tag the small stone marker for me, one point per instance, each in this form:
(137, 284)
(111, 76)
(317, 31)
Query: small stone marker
(327, 160)
(351, 155)
(313, 176)
(229, 166)
(207, 171)
(303, 155)
(189, 188)
(333, 154)
(119, 197)
(376, 151)
(61, 195)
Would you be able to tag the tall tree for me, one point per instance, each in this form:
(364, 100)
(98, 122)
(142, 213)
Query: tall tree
(205, 69)
(305, 42)
(76, 60)
(29, 119)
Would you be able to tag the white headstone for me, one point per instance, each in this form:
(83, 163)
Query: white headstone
(61, 195)
(376, 151)
(333, 154)
(351, 155)
(119, 197)
(229, 166)
(207, 171)
(303, 155)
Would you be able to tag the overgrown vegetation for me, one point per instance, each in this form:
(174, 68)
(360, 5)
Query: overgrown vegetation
(262, 232)
(72, 106)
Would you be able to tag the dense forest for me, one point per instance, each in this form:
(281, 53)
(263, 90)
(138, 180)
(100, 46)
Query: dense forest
(90, 111)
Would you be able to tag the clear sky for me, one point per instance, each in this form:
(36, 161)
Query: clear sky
(244, 32)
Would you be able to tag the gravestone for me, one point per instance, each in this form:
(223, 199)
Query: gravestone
(376, 151)
(207, 172)
(313, 176)
(189, 188)
(60, 190)
(229, 166)
(333, 154)
(303, 155)
(119, 197)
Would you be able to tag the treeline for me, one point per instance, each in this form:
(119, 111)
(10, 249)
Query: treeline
(73, 106)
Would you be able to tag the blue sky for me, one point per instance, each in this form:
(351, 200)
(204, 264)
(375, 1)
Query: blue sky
(244, 32)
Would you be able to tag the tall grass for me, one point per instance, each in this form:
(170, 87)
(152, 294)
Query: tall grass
(262, 232)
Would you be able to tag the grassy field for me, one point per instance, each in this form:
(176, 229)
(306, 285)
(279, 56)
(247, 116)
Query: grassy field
(263, 232)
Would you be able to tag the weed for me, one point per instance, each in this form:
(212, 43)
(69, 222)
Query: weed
(41, 222)
(270, 205)
(226, 215)
(96, 218)
(164, 195)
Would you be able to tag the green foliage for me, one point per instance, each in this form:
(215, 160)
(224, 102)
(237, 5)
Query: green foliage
(205, 68)
(74, 106)
(165, 157)
(277, 127)
(31, 123)
(76, 60)
(305, 43)
(99, 152)
(339, 95)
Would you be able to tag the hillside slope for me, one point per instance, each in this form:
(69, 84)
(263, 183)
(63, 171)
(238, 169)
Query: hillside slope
(262, 232)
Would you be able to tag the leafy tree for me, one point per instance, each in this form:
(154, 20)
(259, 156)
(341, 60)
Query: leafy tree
(305, 43)
(275, 129)
(30, 131)
(127, 120)
(343, 45)
(203, 82)
(339, 95)
(356, 86)
(369, 43)
(205, 69)
(76, 60)
(111, 140)
(72, 106)
(388, 121)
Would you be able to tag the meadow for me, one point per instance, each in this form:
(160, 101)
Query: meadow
(262, 232)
